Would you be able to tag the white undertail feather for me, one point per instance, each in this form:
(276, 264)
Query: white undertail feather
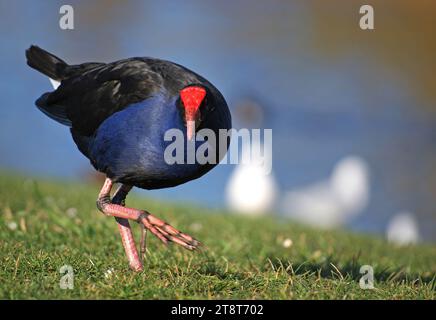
(54, 83)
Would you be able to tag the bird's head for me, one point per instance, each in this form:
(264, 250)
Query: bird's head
(193, 102)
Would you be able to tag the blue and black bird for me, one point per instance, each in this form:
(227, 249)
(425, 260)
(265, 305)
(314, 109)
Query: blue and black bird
(118, 114)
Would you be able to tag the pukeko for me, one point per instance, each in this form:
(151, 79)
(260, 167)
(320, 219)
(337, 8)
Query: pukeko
(118, 114)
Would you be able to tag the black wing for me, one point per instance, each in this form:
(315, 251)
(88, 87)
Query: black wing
(86, 99)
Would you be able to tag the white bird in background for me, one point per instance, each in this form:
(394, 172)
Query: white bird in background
(333, 202)
(403, 229)
(251, 189)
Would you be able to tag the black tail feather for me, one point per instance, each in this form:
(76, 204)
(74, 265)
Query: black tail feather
(46, 63)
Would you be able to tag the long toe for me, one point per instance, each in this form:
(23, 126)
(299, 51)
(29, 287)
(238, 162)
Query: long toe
(167, 233)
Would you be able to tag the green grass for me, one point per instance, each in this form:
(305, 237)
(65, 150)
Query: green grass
(245, 258)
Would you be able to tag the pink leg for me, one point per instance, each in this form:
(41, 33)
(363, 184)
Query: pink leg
(126, 231)
(159, 228)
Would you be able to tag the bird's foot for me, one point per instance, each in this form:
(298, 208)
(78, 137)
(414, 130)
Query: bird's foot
(167, 233)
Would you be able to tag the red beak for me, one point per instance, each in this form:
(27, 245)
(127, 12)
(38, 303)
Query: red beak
(192, 97)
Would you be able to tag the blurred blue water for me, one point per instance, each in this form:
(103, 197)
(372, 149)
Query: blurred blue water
(320, 110)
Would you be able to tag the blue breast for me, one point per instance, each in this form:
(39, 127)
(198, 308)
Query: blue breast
(129, 146)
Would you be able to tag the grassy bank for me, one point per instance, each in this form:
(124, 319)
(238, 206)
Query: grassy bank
(45, 225)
